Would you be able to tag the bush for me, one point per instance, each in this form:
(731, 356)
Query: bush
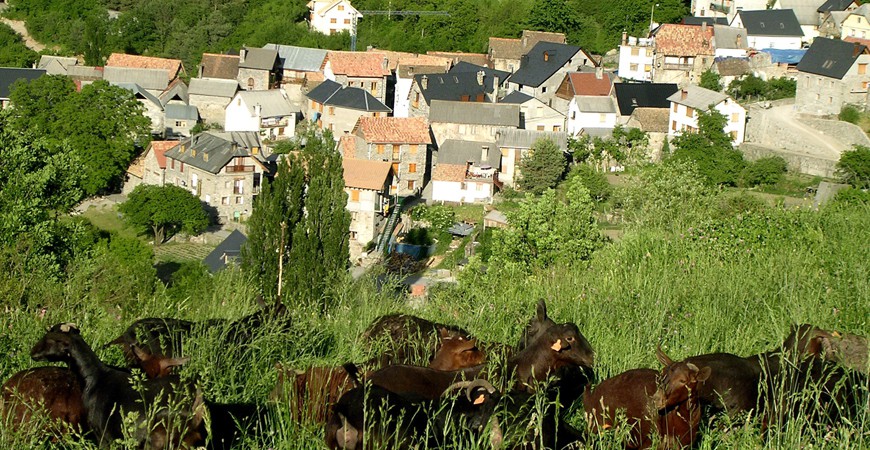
(850, 114)
(765, 171)
(440, 217)
(418, 236)
(594, 181)
(854, 167)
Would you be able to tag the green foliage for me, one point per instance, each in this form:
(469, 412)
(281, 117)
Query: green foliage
(555, 16)
(666, 195)
(191, 280)
(710, 149)
(854, 167)
(163, 211)
(753, 88)
(765, 171)
(13, 52)
(711, 80)
(439, 217)
(594, 181)
(59, 22)
(419, 236)
(849, 113)
(542, 168)
(851, 197)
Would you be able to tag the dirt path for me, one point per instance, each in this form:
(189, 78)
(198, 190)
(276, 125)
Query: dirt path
(18, 27)
(817, 144)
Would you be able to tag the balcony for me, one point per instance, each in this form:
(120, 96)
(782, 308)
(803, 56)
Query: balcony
(273, 122)
(682, 67)
(239, 169)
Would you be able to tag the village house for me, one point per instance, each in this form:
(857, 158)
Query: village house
(8, 77)
(832, 74)
(332, 16)
(630, 96)
(686, 103)
(152, 80)
(149, 167)
(211, 97)
(590, 82)
(258, 68)
(471, 87)
(653, 122)
(724, 8)
(153, 107)
(61, 65)
(403, 142)
(730, 69)
(806, 12)
(775, 63)
(367, 184)
(365, 70)
(178, 120)
(478, 59)
(296, 62)
(832, 24)
(838, 9)
(224, 67)
(227, 253)
(636, 57)
(587, 112)
(506, 54)
(223, 169)
(471, 120)
(338, 108)
(729, 42)
(465, 171)
(173, 68)
(771, 28)
(682, 53)
(405, 73)
(269, 113)
(544, 67)
(535, 114)
(857, 23)
(514, 144)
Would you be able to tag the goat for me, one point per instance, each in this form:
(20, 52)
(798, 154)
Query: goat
(411, 339)
(108, 395)
(55, 392)
(848, 350)
(456, 352)
(559, 348)
(536, 327)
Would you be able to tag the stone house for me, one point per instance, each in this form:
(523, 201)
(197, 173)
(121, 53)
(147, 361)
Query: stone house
(544, 67)
(471, 121)
(258, 68)
(478, 59)
(149, 167)
(806, 12)
(514, 144)
(367, 184)
(338, 108)
(364, 70)
(179, 119)
(8, 77)
(506, 54)
(686, 103)
(211, 97)
(332, 16)
(630, 96)
(831, 74)
(654, 122)
(405, 74)
(465, 171)
(535, 114)
(771, 28)
(173, 68)
(402, 142)
(269, 113)
(682, 53)
(224, 67)
(296, 62)
(832, 24)
(223, 169)
(480, 86)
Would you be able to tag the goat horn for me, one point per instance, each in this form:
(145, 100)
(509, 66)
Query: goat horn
(662, 357)
(455, 386)
(476, 383)
(67, 327)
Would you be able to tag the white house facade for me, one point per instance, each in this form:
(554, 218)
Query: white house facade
(635, 58)
(267, 112)
(332, 16)
(686, 103)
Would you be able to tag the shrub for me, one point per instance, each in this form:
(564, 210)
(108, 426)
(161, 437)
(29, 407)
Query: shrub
(765, 171)
(854, 167)
(418, 236)
(850, 114)
(594, 181)
(440, 217)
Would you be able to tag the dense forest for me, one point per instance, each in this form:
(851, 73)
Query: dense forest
(185, 29)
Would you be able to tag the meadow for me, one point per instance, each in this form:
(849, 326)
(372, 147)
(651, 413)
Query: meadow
(694, 272)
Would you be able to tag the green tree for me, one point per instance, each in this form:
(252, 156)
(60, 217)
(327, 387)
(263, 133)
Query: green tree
(750, 87)
(711, 80)
(37, 104)
(671, 193)
(163, 211)
(710, 149)
(13, 52)
(554, 16)
(542, 168)
(765, 171)
(594, 181)
(96, 40)
(854, 167)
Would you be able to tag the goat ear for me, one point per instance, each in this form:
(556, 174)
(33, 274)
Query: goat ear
(662, 357)
(703, 374)
(692, 367)
(444, 333)
(166, 363)
(542, 310)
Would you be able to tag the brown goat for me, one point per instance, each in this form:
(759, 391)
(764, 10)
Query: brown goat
(55, 392)
(848, 350)
(411, 339)
(156, 366)
(456, 352)
(559, 347)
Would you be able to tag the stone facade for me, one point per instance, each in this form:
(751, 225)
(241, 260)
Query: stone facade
(821, 95)
(254, 79)
(211, 109)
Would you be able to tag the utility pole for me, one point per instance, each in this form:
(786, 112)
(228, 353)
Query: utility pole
(388, 13)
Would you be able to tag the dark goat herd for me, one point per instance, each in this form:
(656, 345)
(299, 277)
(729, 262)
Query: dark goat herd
(815, 376)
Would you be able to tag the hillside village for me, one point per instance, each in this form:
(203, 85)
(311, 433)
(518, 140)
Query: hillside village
(453, 127)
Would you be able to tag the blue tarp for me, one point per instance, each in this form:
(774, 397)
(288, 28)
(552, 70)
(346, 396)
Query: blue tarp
(785, 56)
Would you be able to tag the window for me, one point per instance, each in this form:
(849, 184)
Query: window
(632, 67)
(194, 180)
(374, 88)
(240, 200)
(544, 90)
(862, 69)
(602, 118)
(179, 123)
(225, 200)
(673, 125)
(411, 185)
(347, 21)
(412, 149)
(250, 83)
(341, 7)
(647, 68)
(690, 112)
(395, 152)
(557, 128)
(380, 148)
(463, 185)
(864, 85)
(465, 98)
(830, 100)
(412, 168)
(540, 128)
(416, 102)
(332, 20)
(735, 117)
(354, 195)
(331, 110)
(675, 107)
(239, 186)
(635, 51)
(396, 168)
(172, 164)
(480, 97)
(182, 167)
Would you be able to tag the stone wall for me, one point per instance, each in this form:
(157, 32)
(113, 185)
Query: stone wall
(801, 163)
(844, 131)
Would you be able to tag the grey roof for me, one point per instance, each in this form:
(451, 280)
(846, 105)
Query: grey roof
(837, 18)
(181, 112)
(727, 37)
(140, 93)
(303, 59)
(9, 75)
(496, 216)
(697, 97)
(516, 97)
(333, 94)
(597, 132)
(806, 11)
(409, 70)
(259, 58)
(151, 79)
(229, 249)
(220, 146)
(464, 66)
(643, 95)
(692, 20)
(771, 22)
(273, 103)
(453, 86)
(830, 57)
(595, 103)
(542, 62)
(56, 65)
(177, 90)
(479, 113)
(516, 138)
(84, 72)
(214, 87)
(835, 5)
(455, 151)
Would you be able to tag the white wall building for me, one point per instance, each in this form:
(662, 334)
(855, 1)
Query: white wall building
(332, 16)
(268, 112)
(589, 111)
(686, 103)
(635, 58)
(770, 28)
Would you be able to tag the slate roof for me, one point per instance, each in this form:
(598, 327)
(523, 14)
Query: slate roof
(460, 151)
(830, 57)
(9, 75)
(171, 66)
(652, 120)
(177, 90)
(684, 40)
(452, 86)
(56, 65)
(771, 22)
(729, 37)
(588, 83)
(358, 64)
(467, 67)
(806, 11)
(230, 249)
(710, 21)
(392, 130)
(516, 98)
(517, 138)
(302, 59)
(409, 70)
(181, 112)
(365, 174)
(213, 87)
(479, 113)
(273, 103)
(333, 94)
(835, 5)
(84, 73)
(151, 79)
(643, 95)
(215, 65)
(140, 93)
(220, 146)
(697, 97)
(474, 58)
(258, 58)
(595, 104)
(542, 62)
(732, 67)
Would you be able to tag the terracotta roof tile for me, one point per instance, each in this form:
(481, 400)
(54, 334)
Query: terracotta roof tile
(481, 59)
(358, 64)
(449, 172)
(587, 83)
(219, 66)
(365, 174)
(395, 59)
(172, 66)
(684, 40)
(160, 148)
(394, 130)
(347, 146)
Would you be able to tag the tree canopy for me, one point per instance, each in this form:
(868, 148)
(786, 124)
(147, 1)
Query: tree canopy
(854, 167)
(710, 149)
(542, 167)
(164, 210)
(13, 52)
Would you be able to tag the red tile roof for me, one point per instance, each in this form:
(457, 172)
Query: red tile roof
(347, 146)
(358, 64)
(365, 174)
(219, 66)
(172, 66)
(587, 83)
(394, 59)
(684, 40)
(449, 172)
(160, 148)
(394, 130)
(481, 59)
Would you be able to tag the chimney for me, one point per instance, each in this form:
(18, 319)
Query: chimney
(599, 72)
(424, 82)
(624, 38)
(546, 56)
(258, 110)
(739, 41)
(683, 94)
(704, 27)
(495, 88)
(385, 63)
(242, 53)
(480, 75)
